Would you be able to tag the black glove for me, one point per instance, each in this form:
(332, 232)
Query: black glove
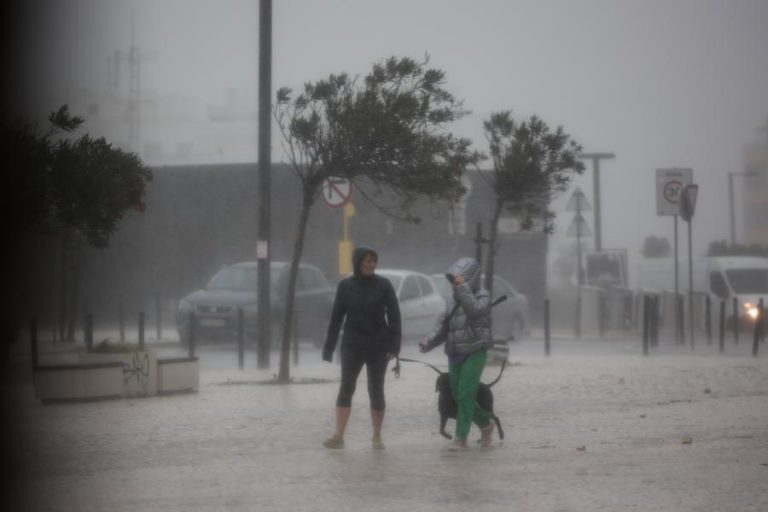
(327, 354)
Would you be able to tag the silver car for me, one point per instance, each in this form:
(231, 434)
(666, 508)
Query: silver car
(420, 303)
(235, 287)
(510, 318)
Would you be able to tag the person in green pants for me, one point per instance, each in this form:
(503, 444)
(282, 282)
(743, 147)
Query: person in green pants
(465, 328)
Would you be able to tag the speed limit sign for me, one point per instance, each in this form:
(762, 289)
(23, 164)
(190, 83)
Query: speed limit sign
(669, 185)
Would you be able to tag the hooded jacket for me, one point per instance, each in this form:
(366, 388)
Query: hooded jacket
(469, 327)
(369, 309)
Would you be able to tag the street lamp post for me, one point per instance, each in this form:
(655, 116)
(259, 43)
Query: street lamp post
(731, 205)
(263, 257)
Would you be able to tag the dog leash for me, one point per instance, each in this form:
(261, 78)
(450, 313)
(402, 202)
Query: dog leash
(396, 368)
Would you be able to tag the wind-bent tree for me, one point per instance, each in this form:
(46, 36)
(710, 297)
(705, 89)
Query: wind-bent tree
(530, 165)
(387, 130)
(75, 189)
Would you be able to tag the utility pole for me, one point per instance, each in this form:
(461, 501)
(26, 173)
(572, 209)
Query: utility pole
(577, 229)
(263, 257)
(596, 157)
(134, 58)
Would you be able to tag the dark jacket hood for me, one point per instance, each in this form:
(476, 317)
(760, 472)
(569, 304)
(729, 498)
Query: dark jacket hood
(469, 269)
(358, 253)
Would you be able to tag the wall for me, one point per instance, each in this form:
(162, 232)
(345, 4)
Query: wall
(199, 218)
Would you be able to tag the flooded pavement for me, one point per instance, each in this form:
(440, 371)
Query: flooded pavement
(595, 426)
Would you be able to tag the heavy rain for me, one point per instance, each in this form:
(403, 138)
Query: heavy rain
(161, 187)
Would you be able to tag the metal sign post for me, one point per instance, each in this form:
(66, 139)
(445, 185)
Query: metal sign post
(336, 193)
(687, 208)
(669, 183)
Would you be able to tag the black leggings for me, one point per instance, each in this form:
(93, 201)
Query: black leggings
(352, 360)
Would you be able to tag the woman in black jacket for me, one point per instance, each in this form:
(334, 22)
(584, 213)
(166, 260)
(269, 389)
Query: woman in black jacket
(368, 306)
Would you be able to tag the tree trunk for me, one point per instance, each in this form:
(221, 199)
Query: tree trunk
(284, 376)
(489, 268)
(62, 288)
(74, 289)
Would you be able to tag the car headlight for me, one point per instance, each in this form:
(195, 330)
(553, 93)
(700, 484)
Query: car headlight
(751, 310)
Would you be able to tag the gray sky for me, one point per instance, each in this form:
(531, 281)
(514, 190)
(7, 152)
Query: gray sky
(660, 83)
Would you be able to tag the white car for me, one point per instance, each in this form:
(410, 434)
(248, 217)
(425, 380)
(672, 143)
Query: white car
(420, 303)
(510, 318)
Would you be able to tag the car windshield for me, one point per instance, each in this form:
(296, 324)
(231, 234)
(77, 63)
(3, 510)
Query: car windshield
(748, 280)
(234, 278)
(238, 278)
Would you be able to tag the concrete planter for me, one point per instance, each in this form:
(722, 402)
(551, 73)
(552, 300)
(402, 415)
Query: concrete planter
(101, 376)
(178, 375)
(139, 370)
(79, 382)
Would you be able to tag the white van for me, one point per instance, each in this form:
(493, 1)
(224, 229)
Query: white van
(721, 277)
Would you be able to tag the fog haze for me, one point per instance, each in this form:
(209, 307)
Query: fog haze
(658, 83)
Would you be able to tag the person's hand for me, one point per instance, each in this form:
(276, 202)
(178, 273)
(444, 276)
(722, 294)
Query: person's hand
(391, 355)
(423, 348)
(327, 356)
(458, 280)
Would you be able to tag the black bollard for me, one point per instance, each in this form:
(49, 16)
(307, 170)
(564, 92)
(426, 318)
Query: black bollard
(651, 319)
(736, 320)
(708, 319)
(601, 312)
(33, 341)
(681, 319)
(758, 327)
(722, 326)
(121, 318)
(158, 317)
(546, 326)
(240, 338)
(192, 327)
(656, 320)
(295, 339)
(141, 330)
(646, 323)
(88, 332)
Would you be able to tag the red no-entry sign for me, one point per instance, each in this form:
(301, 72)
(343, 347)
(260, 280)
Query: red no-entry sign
(336, 191)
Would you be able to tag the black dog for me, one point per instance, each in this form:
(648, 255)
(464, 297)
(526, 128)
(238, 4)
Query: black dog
(446, 404)
(448, 408)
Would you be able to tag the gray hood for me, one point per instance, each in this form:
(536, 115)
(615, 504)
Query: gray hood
(469, 269)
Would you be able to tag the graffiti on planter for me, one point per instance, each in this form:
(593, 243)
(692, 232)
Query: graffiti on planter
(138, 369)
